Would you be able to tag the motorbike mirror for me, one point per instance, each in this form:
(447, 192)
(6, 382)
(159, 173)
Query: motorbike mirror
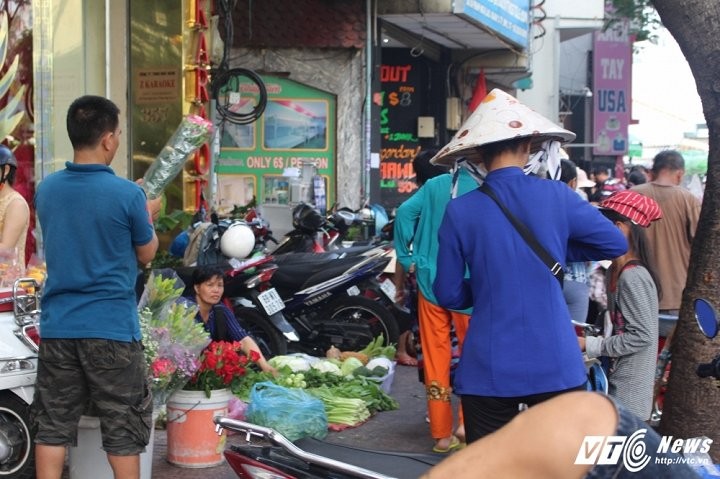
(706, 317)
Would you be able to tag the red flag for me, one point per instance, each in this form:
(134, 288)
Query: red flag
(479, 93)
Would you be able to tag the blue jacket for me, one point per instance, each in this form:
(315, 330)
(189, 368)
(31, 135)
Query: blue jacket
(520, 340)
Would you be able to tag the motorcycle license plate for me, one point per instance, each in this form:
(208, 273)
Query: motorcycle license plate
(388, 287)
(271, 301)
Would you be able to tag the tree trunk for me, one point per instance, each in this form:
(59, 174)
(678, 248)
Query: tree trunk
(692, 404)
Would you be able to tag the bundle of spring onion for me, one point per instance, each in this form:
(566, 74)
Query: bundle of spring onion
(340, 410)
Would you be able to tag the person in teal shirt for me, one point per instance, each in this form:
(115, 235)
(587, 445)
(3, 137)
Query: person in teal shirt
(416, 224)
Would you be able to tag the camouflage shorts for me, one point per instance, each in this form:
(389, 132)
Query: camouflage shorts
(96, 377)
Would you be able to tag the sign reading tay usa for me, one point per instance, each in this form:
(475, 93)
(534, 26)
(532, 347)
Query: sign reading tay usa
(612, 82)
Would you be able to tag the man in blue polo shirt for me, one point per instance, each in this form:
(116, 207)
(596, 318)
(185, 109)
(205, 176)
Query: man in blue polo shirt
(96, 228)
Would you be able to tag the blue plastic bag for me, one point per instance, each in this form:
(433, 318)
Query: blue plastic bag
(290, 411)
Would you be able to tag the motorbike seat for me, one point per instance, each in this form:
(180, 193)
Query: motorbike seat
(394, 464)
(355, 250)
(291, 277)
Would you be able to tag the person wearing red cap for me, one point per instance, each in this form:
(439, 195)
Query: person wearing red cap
(633, 295)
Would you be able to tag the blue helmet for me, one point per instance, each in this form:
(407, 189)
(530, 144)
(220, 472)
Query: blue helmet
(7, 157)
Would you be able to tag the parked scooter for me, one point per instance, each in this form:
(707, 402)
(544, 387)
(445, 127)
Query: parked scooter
(314, 233)
(310, 458)
(323, 301)
(19, 344)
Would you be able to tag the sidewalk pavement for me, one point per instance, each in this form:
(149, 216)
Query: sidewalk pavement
(402, 430)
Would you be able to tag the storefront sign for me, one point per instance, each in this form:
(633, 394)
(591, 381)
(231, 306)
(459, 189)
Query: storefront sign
(402, 81)
(508, 18)
(156, 85)
(612, 83)
(297, 127)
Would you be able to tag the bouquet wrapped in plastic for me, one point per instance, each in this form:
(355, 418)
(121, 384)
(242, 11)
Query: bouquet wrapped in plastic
(192, 133)
(172, 338)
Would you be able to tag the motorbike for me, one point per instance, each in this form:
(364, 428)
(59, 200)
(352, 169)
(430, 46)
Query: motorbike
(19, 345)
(276, 456)
(322, 301)
(314, 233)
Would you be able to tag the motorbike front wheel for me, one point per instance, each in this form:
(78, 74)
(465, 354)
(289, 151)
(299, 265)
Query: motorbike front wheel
(359, 310)
(269, 339)
(17, 454)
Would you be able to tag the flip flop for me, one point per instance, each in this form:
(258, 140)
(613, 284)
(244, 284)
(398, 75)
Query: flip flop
(406, 360)
(454, 444)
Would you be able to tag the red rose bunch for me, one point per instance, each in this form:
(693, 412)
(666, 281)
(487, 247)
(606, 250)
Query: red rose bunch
(220, 364)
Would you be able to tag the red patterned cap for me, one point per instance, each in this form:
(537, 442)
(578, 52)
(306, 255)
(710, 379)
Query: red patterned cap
(638, 208)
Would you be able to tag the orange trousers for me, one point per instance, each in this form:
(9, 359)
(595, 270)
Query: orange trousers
(435, 323)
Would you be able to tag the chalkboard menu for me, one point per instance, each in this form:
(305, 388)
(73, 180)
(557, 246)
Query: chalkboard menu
(403, 82)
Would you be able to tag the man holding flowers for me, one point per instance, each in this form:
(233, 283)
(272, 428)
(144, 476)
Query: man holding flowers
(96, 228)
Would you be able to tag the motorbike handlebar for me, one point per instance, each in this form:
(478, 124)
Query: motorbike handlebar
(711, 369)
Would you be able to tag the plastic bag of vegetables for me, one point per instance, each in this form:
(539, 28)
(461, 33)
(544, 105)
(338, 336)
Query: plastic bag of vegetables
(292, 412)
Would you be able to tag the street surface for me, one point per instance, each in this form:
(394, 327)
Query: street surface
(402, 430)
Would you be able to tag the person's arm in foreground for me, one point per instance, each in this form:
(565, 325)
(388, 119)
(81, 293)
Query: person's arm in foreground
(532, 445)
(451, 288)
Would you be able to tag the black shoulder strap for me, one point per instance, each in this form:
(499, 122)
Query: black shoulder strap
(221, 333)
(555, 267)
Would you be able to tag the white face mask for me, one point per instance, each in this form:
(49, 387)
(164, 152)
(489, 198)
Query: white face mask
(543, 163)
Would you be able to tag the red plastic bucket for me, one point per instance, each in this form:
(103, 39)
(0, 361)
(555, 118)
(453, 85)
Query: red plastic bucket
(191, 437)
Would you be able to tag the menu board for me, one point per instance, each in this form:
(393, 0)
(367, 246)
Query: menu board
(403, 81)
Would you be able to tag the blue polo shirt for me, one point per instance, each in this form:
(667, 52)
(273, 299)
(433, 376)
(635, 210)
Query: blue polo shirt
(91, 221)
(520, 340)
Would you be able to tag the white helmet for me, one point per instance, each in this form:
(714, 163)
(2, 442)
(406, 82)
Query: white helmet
(238, 241)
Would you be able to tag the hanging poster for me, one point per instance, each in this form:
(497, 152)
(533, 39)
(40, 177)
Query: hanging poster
(298, 126)
(612, 84)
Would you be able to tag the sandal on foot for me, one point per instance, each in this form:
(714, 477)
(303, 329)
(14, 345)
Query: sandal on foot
(454, 444)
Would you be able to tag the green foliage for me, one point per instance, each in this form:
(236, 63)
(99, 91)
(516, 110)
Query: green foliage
(644, 20)
(176, 219)
(163, 259)
(239, 212)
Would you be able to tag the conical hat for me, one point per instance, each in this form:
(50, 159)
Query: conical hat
(499, 117)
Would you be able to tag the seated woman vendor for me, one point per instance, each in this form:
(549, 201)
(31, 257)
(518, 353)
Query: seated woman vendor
(208, 285)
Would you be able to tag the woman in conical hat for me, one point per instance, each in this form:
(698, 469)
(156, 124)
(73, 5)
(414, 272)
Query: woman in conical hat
(520, 346)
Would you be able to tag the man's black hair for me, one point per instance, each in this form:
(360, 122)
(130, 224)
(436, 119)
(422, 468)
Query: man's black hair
(568, 171)
(668, 160)
(89, 118)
